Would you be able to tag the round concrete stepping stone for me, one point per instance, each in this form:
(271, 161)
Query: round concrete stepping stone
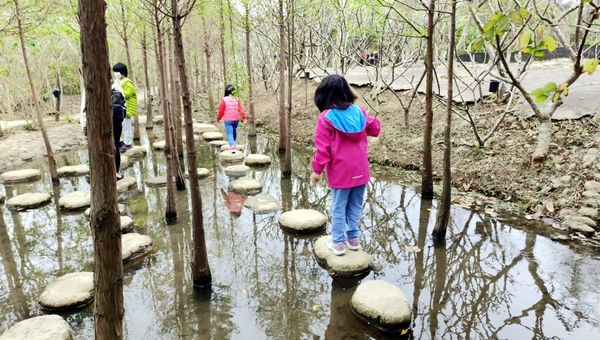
(125, 163)
(203, 127)
(237, 170)
(213, 135)
(582, 228)
(134, 245)
(202, 172)
(155, 182)
(218, 143)
(589, 194)
(20, 176)
(231, 156)
(581, 220)
(592, 186)
(352, 264)
(302, 221)
(70, 291)
(245, 186)
(226, 147)
(73, 170)
(382, 304)
(76, 200)
(45, 327)
(160, 145)
(121, 207)
(136, 151)
(591, 203)
(125, 184)
(262, 204)
(126, 224)
(28, 200)
(257, 160)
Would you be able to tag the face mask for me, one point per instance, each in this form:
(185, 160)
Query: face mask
(118, 75)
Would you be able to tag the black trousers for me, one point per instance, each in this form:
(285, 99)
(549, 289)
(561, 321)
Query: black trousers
(117, 129)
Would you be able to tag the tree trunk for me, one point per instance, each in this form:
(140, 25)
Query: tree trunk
(147, 91)
(251, 120)
(104, 217)
(543, 141)
(222, 36)
(232, 37)
(170, 211)
(175, 99)
(209, 85)
(34, 97)
(124, 21)
(443, 217)
(427, 172)
(282, 136)
(59, 96)
(200, 268)
(173, 107)
(287, 159)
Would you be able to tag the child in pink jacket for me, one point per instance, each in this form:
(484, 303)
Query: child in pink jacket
(231, 110)
(341, 143)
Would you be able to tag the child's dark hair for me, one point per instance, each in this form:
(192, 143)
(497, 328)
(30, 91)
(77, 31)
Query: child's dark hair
(121, 68)
(229, 90)
(334, 92)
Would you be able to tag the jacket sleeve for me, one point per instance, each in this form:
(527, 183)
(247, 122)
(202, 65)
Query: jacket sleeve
(242, 110)
(323, 145)
(221, 112)
(373, 124)
(128, 89)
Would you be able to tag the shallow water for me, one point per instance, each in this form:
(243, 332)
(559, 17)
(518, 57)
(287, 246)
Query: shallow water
(492, 280)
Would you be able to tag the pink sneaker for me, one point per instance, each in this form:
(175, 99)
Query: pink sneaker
(353, 244)
(338, 248)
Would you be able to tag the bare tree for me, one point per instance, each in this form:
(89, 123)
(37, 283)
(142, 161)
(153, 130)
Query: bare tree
(209, 86)
(222, 41)
(427, 172)
(287, 159)
(282, 65)
(147, 90)
(251, 120)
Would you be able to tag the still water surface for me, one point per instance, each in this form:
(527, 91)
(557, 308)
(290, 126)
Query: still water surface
(492, 280)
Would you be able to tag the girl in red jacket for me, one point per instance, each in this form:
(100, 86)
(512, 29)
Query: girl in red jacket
(231, 110)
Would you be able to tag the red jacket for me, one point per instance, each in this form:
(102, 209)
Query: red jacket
(231, 109)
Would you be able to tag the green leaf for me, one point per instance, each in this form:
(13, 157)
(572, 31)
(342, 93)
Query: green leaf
(549, 43)
(491, 24)
(477, 45)
(524, 40)
(538, 53)
(528, 50)
(539, 99)
(550, 87)
(590, 65)
(524, 13)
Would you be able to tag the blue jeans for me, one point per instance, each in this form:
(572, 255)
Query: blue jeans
(230, 130)
(346, 208)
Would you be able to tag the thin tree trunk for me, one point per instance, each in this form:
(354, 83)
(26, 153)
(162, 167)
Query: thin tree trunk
(175, 99)
(34, 97)
(170, 211)
(209, 85)
(147, 92)
(427, 172)
(282, 136)
(200, 268)
(125, 36)
(287, 159)
(251, 120)
(222, 42)
(439, 232)
(173, 107)
(232, 37)
(58, 98)
(104, 217)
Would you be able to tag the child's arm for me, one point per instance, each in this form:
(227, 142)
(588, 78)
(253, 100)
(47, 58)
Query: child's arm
(323, 145)
(221, 110)
(373, 126)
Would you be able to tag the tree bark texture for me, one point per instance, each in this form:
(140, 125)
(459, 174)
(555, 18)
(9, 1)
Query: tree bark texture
(282, 64)
(104, 218)
(209, 85)
(176, 99)
(287, 159)
(147, 92)
(222, 43)
(58, 98)
(251, 120)
(427, 172)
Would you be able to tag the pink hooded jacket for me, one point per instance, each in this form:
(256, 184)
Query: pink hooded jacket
(342, 148)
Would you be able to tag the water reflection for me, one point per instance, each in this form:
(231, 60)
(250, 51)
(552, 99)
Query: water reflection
(490, 280)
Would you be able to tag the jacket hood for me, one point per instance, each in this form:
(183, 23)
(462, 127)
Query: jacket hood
(351, 121)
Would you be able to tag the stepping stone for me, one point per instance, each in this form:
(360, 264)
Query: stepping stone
(70, 291)
(203, 127)
(588, 212)
(213, 135)
(257, 160)
(231, 156)
(76, 200)
(134, 246)
(155, 182)
(196, 138)
(218, 143)
(592, 203)
(126, 224)
(226, 147)
(202, 172)
(351, 264)
(589, 194)
(262, 204)
(121, 207)
(158, 120)
(382, 304)
(580, 220)
(20, 176)
(239, 170)
(29, 200)
(73, 170)
(126, 184)
(160, 145)
(302, 221)
(246, 186)
(45, 327)
(582, 228)
(136, 151)
(125, 162)
(592, 186)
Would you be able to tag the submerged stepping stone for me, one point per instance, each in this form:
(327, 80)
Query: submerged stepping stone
(126, 184)
(203, 127)
(136, 151)
(126, 224)
(202, 172)
(218, 142)
(352, 264)
(28, 200)
(226, 147)
(125, 162)
(231, 156)
(213, 135)
(45, 327)
(245, 186)
(262, 204)
(134, 245)
(160, 145)
(121, 207)
(20, 176)
(155, 182)
(237, 170)
(73, 170)
(257, 160)
(70, 291)
(302, 221)
(76, 200)
(382, 304)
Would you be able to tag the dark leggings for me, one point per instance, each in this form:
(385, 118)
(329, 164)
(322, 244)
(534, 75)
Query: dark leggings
(117, 129)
